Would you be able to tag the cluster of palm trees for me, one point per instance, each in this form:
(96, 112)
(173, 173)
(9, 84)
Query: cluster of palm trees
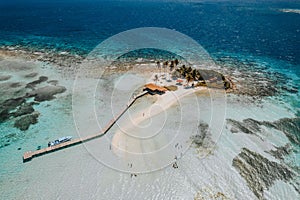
(167, 64)
(189, 73)
(184, 72)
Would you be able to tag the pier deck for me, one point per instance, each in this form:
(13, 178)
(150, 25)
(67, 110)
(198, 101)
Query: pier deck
(32, 154)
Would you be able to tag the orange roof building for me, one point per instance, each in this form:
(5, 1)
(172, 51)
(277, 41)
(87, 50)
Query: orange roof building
(155, 89)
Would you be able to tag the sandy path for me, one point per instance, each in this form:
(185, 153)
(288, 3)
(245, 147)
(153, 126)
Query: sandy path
(126, 141)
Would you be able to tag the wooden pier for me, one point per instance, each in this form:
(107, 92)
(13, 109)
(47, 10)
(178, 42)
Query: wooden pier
(32, 154)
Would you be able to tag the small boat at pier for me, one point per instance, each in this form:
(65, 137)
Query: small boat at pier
(59, 141)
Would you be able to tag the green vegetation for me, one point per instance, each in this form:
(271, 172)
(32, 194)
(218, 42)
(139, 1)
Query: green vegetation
(188, 73)
(202, 77)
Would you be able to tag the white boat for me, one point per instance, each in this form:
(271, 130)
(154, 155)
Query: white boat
(59, 141)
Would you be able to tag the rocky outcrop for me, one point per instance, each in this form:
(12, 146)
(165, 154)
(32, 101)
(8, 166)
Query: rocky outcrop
(19, 104)
(4, 114)
(201, 135)
(19, 109)
(215, 79)
(251, 79)
(248, 126)
(5, 77)
(53, 82)
(63, 59)
(8, 105)
(210, 74)
(289, 126)
(31, 75)
(280, 152)
(24, 109)
(260, 173)
(228, 84)
(12, 103)
(46, 93)
(36, 82)
(24, 122)
(202, 140)
(15, 85)
(290, 89)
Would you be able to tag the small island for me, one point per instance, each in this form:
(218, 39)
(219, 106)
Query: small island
(170, 82)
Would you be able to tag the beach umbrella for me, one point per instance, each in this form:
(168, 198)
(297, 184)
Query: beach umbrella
(179, 81)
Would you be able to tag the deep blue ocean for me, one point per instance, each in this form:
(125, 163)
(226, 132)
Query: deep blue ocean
(246, 30)
(250, 31)
(244, 27)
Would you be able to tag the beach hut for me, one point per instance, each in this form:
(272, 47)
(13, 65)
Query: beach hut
(179, 81)
(154, 89)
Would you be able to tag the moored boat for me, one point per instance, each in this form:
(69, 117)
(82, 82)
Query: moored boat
(59, 141)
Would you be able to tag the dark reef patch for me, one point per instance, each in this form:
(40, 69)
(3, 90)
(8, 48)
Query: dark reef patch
(25, 121)
(289, 126)
(260, 173)
(5, 77)
(280, 152)
(8, 139)
(46, 93)
(292, 90)
(53, 82)
(8, 105)
(201, 135)
(24, 109)
(248, 126)
(252, 78)
(31, 75)
(12, 90)
(36, 82)
(203, 139)
(15, 85)
(18, 108)
(15, 108)
(13, 103)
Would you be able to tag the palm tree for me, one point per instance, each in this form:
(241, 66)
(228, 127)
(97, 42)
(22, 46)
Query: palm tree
(171, 68)
(165, 64)
(194, 74)
(189, 69)
(176, 62)
(188, 78)
(178, 72)
(156, 78)
(182, 71)
(158, 66)
(199, 76)
(171, 65)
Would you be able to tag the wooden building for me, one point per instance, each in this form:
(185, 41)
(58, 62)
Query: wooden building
(154, 89)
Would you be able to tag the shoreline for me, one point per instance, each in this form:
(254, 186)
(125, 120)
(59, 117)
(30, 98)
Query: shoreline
(162, 103)
(247, 83)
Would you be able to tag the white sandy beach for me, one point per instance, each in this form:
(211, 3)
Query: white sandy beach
(162, 103)
(143, 131)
